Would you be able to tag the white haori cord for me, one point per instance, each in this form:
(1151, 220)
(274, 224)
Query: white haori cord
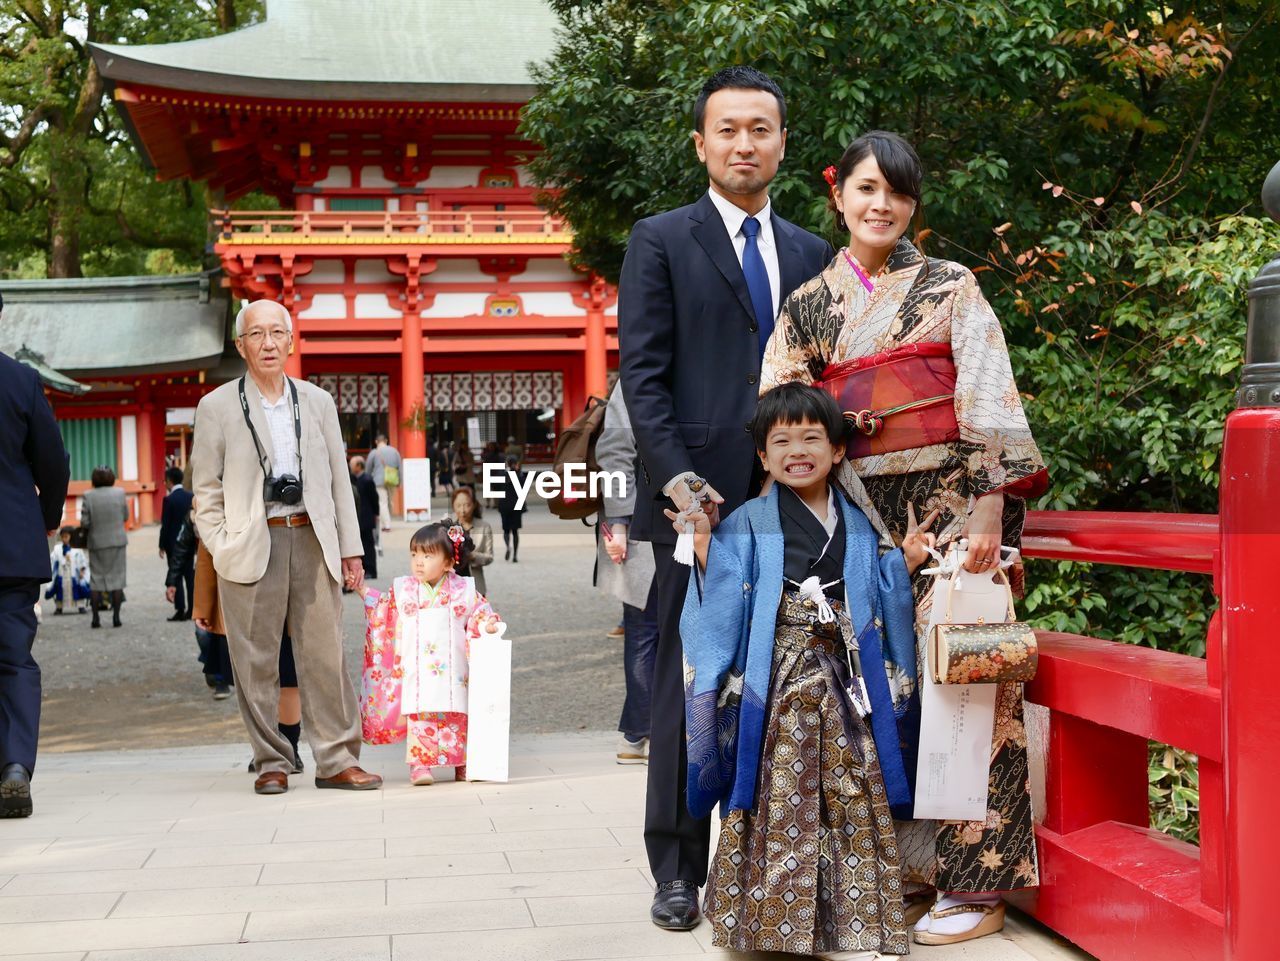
(683, 554)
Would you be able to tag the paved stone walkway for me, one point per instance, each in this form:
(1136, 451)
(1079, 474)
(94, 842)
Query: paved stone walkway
(167, 855)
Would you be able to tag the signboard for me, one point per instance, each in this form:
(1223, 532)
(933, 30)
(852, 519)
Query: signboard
(415, 486)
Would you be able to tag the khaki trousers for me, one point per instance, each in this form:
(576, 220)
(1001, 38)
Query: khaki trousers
(384, 506)
(295, 592)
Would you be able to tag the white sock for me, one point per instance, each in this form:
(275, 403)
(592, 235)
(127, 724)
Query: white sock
(956, 923)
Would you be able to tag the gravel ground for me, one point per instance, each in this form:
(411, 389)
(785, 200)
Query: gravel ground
(141, 686)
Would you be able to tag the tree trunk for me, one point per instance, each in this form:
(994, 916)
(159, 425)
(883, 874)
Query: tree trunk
(67, 183)
(226, 15)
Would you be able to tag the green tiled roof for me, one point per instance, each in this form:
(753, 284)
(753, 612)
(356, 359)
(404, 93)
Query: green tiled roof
(453, 50)
(106, 326)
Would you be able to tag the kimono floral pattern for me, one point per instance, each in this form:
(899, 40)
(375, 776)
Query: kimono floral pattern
(833, 318)
(434, 737)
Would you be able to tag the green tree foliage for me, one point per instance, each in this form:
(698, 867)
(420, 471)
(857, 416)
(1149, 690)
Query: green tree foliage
(1096, 161)
(75, 197)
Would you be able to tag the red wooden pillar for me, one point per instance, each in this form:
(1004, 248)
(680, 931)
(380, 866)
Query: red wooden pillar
(149, 438)
(596, 298)
(1251, 612)
(412, 399)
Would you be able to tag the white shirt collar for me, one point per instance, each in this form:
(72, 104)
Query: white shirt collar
(733, 215)
(829, 525)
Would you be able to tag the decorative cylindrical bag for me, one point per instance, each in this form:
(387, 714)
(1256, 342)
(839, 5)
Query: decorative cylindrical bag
(982, 653)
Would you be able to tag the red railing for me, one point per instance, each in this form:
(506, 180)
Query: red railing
(485, 224)
(1111, 884)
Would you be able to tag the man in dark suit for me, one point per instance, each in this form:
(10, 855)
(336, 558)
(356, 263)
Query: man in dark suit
(173, 513)
(700, 289)
(33, 488)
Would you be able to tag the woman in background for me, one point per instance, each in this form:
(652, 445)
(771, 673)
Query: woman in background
(467, 511)
(103, 512)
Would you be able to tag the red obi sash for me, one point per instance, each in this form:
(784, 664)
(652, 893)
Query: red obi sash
(896, 400)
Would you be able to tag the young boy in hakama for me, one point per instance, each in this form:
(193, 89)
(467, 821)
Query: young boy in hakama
(797, 635)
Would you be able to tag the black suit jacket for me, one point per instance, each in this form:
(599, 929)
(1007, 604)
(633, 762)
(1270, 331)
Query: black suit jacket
(176, 507)
(33, 484)
(690, 352)
(367, 503)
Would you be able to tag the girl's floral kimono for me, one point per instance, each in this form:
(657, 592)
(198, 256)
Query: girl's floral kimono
(415, 666)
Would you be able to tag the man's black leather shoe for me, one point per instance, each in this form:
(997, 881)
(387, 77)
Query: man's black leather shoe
(675, 906)
(15, 792)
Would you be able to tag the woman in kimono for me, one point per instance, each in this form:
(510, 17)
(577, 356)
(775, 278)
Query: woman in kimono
(916, 357)
(799, 746)
(416, 654)
(70, 569)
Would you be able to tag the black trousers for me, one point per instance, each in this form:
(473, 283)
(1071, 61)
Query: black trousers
(184, 590)
(19, 672)
(678, 844)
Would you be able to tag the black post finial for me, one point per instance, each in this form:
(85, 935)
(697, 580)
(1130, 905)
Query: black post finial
(1260, 381)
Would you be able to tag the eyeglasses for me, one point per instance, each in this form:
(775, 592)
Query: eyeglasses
(256, 336)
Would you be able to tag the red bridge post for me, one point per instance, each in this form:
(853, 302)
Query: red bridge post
(1250, 569)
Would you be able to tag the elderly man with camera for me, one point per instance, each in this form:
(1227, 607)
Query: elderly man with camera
(274, 507)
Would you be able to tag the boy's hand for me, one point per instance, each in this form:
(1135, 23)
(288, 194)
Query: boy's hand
(702, 525)
(918, 538)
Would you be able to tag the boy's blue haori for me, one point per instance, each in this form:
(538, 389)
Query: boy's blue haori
(728, 626)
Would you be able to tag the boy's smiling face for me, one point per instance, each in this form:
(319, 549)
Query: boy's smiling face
(800, 455)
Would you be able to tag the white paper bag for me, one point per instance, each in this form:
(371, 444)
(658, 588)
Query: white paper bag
(489, 707)
(957, 720)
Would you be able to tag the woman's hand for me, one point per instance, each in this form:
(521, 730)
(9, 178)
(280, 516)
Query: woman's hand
(918, 538)
(983, 530)
(615, 542)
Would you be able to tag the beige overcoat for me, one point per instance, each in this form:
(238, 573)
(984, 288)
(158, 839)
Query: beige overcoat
(231, 514)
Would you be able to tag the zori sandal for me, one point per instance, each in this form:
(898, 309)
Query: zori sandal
(991, 922)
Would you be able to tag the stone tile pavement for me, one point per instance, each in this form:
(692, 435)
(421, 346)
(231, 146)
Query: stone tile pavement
(167, 855)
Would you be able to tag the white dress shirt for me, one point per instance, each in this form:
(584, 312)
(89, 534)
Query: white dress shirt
(284, 447)
(733, 217)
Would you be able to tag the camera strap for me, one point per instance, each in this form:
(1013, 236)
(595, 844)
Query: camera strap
(263, 460)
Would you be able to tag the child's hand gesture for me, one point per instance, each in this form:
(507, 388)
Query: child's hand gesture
(918, 538)
(491, 624)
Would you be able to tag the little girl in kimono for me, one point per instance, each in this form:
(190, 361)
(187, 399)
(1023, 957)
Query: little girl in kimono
(796, 629)
(70, 569)
(416, 652)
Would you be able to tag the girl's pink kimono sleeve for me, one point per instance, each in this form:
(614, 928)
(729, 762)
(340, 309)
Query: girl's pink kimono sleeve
(380, 718)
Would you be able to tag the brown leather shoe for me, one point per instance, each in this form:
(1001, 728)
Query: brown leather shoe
(352, 779)
(271, 782)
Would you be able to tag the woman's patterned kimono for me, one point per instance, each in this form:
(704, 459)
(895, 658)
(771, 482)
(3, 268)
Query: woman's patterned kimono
(834, 318)
(416, 653)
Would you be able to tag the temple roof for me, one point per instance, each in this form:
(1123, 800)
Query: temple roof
(108, 326)
(403, 50)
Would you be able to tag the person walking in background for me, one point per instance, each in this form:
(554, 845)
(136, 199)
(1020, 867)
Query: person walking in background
(699, 291)
(103, 512)
(173, 514)
(181, 559)
(369, 502)
(513, 450)
(70, 569)
(279, 518)
(444, 468)
(464, 474)
(626, 572)
(384, 466)
(33, 489)
(467, 512)
(511, 510)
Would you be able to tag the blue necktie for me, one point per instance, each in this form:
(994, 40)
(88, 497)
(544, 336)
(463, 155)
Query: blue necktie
(757, 280)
